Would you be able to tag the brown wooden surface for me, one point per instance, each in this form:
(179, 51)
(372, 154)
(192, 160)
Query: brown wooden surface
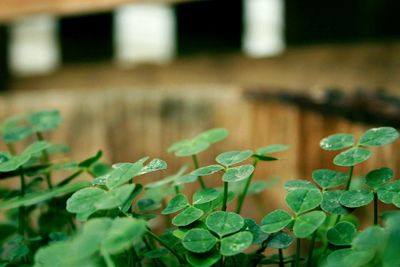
(13, 9)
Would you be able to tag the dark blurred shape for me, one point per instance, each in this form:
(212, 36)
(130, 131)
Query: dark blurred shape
(374, 107)
(4, 68)
(309, 21)
(209, 26)
(86, 38)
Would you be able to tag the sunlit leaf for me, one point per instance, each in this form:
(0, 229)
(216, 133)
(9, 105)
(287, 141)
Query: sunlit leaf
(199, 240)
(388, 191)
(302, 200)
(177, 203)
(207, 170)
(379, 136)
(299, 184)
(272, 149)
(213, 135)
(154, 165)
(276, 221)
(337, 141)
(342, 234)
(331, 204)
(187, 216)
(84, 200)
(326, 178)
(224, 222)
(237, 174)
(356, 198)
(115, 198)
(236, 243)
(352, 156)
(122, 173)
(233, 157)
(205, 195)
(308, 223)
(378, 177)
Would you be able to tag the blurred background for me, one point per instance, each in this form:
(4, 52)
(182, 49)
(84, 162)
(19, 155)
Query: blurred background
(132, 77)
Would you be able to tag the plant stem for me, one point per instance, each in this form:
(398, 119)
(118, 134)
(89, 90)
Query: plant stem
(225, 199)
(196, 166)
(136, 257)
(159, 240)
(45, 159)
(21, 210)
(242, 196)
(281, 263)
(350, 177)
(375, 208)
(347, 189)
(70, 178)
(108, 259)
(297, 260)
(177, 190)
(311, 250)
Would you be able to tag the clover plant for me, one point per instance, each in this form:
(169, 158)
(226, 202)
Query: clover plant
(111, 219)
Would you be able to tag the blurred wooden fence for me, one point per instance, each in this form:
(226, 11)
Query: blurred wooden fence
(130, 123)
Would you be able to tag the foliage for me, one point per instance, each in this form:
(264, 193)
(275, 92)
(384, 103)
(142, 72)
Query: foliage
(107, 220)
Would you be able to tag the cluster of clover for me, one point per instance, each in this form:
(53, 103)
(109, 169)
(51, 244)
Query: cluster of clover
(107, 220)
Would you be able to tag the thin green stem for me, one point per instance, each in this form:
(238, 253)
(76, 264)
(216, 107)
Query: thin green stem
(108, 260)
(136, 257)
(350, 177)
(21, 210)
(70, 178)
(351, 169)
(298, 249)
(196, 166)
(177, 190)
(375, 208)
(45, 159)
(242, 196)
(311, 249)
(164, 244)
(281, 262)
(225, 199)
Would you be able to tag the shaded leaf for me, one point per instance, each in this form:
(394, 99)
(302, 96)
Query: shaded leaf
(213, 135)
(122, 173)
(192, 147)
(331, 204)
(271, 149)
(177, 203)
(329, 179)
(15, 134)
(349, 258)
(259, 236)
(203, 259)
(84, 200)
(342, 234)
(378, 177)
(44, 121)
(115, 198)
(388, 191)
(280, 240)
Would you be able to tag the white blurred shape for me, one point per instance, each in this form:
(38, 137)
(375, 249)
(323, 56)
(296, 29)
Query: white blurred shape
(34, 49)
(144, 33)
(263, 27)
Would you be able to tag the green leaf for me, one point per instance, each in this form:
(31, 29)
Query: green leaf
(199, 240)
(337, 141)
(122, 173)
(379, 136)
(352, 156)
(213, 135)
(44, 121)
(224, 222)
(276, 221)
(237, 174)
(148, 204)
(233, 157)
(331, 204)
(88, 162)
(302, 200)
(185, 179)
(349, 258)
(205, 195)
(259, 236)
(292, 185)
(264, 158)
(207, 170)
(35, 198)
(307, 223)
(378, 177)
(192, 147)
(396, 200)
(272, 149)
(154, 165)
(371, 239)
(329, 179)
(203, 259)
(356, 198)
(187, 216)
(15, 134)
(236, 243)
(84, 200)
(342, 234)
(115, 198)
(280, 240)
(36, 147)
(122, 233)
(388, 191)
(177, 203)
